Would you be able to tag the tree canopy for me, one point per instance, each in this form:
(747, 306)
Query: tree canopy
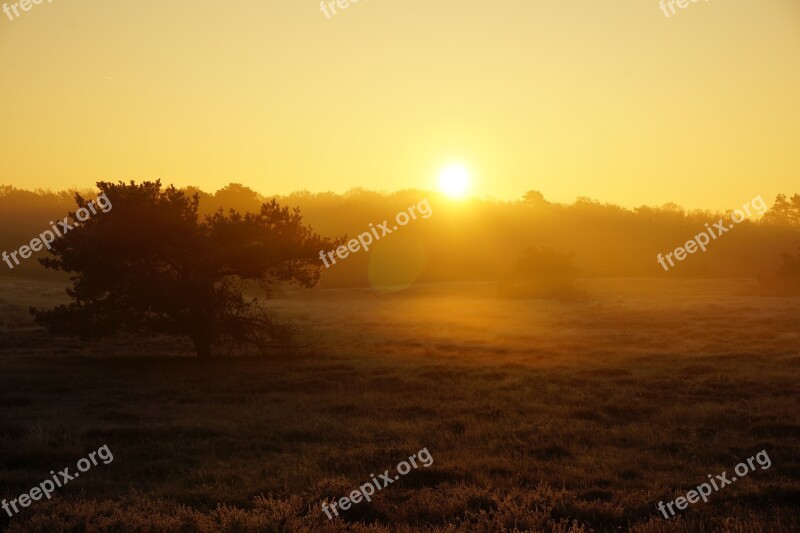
(151, 264)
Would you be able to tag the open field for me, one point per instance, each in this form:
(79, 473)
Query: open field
(540, 415)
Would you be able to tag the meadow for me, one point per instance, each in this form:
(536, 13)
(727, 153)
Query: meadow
(540, 415)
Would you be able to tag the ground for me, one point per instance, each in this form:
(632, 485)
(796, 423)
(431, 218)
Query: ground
(540, 415)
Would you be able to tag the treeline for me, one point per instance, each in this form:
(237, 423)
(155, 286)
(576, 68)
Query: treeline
(476, 240)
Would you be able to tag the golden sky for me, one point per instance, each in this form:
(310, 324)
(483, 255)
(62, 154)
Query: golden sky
(611, 100)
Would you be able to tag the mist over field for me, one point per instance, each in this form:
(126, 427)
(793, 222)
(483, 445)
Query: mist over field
(400, 266)
(558, 387)
(482, 240)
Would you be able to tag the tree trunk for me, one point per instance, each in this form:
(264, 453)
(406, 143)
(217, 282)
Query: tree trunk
(202, 345)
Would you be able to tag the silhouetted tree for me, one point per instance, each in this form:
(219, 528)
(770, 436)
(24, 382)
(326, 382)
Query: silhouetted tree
(535, 199)
(150, 264)
(790, 269)
(785, 212)
(541, 273)
(237, 196)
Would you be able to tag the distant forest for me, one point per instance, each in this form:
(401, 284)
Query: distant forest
(477, 240)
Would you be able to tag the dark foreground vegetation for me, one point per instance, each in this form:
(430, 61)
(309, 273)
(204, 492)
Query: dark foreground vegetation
(540, 415)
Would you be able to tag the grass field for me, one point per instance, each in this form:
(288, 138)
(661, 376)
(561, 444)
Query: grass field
(540, 415)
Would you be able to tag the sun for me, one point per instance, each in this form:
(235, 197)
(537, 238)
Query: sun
(454, 181)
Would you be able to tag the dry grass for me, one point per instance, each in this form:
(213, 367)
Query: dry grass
(540, 415)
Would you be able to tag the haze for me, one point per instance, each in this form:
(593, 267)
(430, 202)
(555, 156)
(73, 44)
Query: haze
(610, 101)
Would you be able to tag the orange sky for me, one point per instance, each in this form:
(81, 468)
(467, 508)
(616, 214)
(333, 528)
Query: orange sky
(611, 100)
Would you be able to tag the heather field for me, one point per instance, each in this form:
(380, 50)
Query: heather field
(540, 415)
